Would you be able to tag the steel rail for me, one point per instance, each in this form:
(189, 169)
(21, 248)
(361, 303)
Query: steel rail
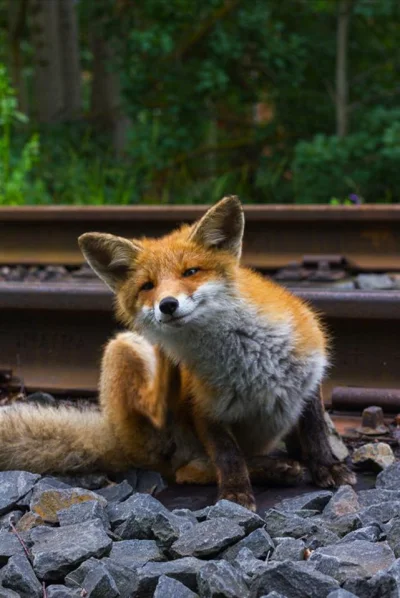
(52, 335)
(368, 236)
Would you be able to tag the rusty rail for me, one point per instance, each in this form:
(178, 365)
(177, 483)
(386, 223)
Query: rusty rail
(367, 236)
(52, 335)
(346, 398)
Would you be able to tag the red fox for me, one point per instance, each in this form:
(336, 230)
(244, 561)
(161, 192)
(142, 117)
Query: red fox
(219, 364)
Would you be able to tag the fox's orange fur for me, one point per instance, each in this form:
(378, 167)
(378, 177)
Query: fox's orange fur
(176, 394)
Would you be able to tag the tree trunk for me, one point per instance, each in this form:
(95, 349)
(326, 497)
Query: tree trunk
(48, 80)
(105, 101)
(16, 24)
(342, 91)
(69, 53)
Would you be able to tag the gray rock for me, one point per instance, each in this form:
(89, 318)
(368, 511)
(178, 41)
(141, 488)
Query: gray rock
(171, 588)
(289, 549)
(294, 580)
(8, 518)
(326, 564)
(49, 483)
(341, 594)
(306, 513)
(184, 570)
(49, 502)
(46, 483)
(389, 478)
(28, 521)
(186, 514)
(9, 546)
(381, 585)
(249, 565)
(345, 524)
(131, 476)
(379, 513)
(135, 553)
(374, 282)
(230, 510)
(343, 502)
(373, 456)
(258, 542)
(14, 485)
(75, 578)
(286, 524)
(126, 578)
(168, 529)
(19, 576)
(5, 593)
(336, 443)
(88, 481)
(207, 538)
(149, 482)
(274, 595)
(370, 533)
(282, 524)
(393, 536)
(221, 580)
(386, 581)
(84, 511)
(201, 514)
(323, 537)
(99, 583)
(59, 591)
(56, 551)
(117, 492)
(311, 500)
(377, 496)
(135, 517)
(358, 558)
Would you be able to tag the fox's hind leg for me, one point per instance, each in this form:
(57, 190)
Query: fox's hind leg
(309, 442)
(134, 385)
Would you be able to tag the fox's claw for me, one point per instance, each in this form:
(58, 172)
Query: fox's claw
(334, 475)
(242, 497)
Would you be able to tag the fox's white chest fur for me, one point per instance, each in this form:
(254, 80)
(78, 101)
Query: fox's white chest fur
(251, 366)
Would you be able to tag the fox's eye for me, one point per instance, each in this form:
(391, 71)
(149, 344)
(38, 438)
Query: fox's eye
(147, 286)
(190, 272)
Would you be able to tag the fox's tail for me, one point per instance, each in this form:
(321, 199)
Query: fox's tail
(57, 440)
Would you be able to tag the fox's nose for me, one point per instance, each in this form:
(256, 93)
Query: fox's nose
(169, 305)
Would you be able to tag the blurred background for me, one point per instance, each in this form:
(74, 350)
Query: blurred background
(181, 101)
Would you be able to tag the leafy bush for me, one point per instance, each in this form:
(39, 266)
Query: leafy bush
(17, 186)
(366, 162)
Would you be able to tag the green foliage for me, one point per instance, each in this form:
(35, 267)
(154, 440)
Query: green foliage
(193, 76)
(191, 86)
(16, 185)
(366, 162)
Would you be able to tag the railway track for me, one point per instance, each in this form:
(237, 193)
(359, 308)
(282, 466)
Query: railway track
(52, 334)
(367, 236)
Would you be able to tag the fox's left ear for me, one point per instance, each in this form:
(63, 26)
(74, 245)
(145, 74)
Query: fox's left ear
(221, 227)
(111, 257)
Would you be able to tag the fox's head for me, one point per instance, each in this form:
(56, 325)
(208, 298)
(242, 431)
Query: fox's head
(180, 280)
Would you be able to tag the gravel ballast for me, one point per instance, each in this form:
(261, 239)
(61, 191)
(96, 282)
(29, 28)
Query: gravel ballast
(104, 539)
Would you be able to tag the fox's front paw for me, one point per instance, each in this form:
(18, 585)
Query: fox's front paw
(289, 472)
(334, 475)
(241, 496)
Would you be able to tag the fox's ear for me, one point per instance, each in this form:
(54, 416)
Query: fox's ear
(109, 256)
(222, 226)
